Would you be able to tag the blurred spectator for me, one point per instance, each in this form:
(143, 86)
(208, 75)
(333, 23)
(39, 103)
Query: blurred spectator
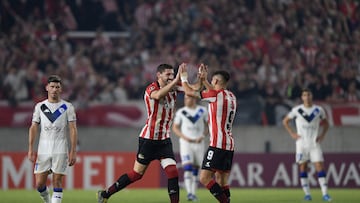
(318, 89)
(293, 89)
(101, 41)
(336, 92)
(119, 92)
(272, 99)
(352, 94)
(106, 95)
(15, 83)
(267, 71)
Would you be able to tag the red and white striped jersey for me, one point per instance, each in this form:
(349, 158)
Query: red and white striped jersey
(222, 109)
(160, 114)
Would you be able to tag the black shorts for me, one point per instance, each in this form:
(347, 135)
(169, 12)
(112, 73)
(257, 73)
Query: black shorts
(217, 159)
(150, 150)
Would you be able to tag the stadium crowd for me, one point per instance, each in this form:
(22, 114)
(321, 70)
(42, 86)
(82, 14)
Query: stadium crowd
(273, 48)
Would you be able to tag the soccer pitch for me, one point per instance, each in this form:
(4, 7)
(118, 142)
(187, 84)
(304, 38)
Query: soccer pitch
(160, 196)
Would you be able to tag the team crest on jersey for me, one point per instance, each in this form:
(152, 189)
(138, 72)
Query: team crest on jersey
(310, 117)
(53, 116)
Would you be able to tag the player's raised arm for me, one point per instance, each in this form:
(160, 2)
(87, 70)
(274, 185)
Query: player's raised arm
(203, 75)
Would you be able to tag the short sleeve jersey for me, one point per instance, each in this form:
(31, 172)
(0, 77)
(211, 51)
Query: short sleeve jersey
(192, 120)
(307, 120)
(53, 119)
(160, 114)
(222, 109)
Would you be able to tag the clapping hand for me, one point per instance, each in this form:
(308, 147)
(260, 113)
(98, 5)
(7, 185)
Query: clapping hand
(183, 72)
(203, 71)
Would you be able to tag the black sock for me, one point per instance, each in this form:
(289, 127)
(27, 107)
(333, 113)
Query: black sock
(217, 192)
(173, 189)
(226, 191)
(121, 183)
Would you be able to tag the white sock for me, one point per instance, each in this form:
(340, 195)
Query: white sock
(45, 196)
(194, 184)
(188, 181)
(323, 185)
(56, 197)
(305, 185)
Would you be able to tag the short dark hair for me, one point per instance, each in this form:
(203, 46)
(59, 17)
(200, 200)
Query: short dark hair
(224, 74)
(54, 78)
(162, 67)
(306, 90)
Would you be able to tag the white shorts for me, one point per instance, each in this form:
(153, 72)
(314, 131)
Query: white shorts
(305, 154)
(192, 153)
(56, 163)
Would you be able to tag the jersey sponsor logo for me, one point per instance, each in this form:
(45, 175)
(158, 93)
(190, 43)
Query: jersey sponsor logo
(308, 127)
(52, 128)
(53, 116)
(194, 118)
(310, 117)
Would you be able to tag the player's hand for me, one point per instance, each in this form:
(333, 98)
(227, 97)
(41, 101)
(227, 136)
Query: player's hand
(31, 156)
(295, 136)
(183, 72)
(319, 138)
(203, 70)
(198, 140)
(187, 139)
(182, 68)
(72, 158)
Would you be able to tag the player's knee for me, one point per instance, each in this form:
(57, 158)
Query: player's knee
(205, 178)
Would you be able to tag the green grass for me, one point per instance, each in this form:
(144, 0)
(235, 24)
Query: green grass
(160, 196)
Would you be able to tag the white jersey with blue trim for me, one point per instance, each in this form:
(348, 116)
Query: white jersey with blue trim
(53, 119)
(307, 120)
(192, 121)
